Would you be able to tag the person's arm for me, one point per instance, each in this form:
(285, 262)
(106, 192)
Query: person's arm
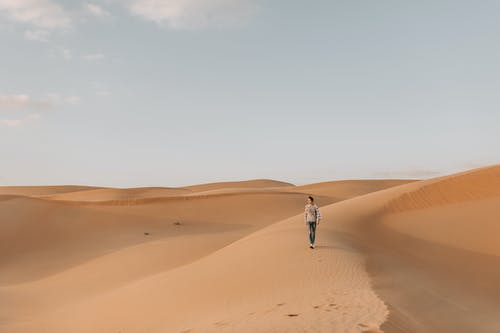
(318, 215)
(305, 215)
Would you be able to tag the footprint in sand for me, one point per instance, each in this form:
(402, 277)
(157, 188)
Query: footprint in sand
(292, 314)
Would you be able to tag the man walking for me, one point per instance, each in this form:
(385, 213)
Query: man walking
(311, 217)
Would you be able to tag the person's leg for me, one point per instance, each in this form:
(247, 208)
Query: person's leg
(313, 233)
(310, 232)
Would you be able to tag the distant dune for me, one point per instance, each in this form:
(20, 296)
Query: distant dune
(392, 256)
(255, 183)
(112, 194)
(43, 190)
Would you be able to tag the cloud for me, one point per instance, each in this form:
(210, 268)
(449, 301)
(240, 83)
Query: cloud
(101, 89)
(66, 53)
(103, 93)
(14, 101)
(57, 99)
(194, 14)
(96, 10)
(21, 102)
(60, 51)
(33, 116)
(37, 35)
(11, 122)
(93, 56)
(20, 121)
(44, 14)
(73, 100)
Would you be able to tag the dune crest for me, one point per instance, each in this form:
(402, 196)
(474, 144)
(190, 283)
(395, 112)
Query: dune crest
(346, 189)
(254, 183)
(462, 187)
(43, 190)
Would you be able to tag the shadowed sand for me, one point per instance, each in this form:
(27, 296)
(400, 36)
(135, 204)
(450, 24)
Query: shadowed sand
(233, 257)
(432, 249)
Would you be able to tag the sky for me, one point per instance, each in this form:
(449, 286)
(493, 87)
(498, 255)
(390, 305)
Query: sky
(176, 92)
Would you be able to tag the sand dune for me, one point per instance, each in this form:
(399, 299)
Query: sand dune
(255, 183)
(111, 194)
(346, 189)
(43, 190)
(432, 244)
(140, 195)
(463, 187)
(83, 232)
(397, 256)
(460, 210)
(339, 190)
(252, 286)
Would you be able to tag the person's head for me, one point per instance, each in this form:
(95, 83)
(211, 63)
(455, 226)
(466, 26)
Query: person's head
(310, 200)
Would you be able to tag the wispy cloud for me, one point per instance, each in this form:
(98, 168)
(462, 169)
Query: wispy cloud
(58, 99)
(73, 100)
(66, 53)
(21, 109)
(44, 14)
(193, 14)
(37, 35)
(22, 102)
(93, 56)
(20, 121)
(103, 93)
(101, 89)
(11, 122)
(14, 101)
(59, 51)
(96, 10)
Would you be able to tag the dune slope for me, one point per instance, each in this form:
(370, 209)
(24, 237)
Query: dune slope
(346, 189)
(97, 252)
(397, 256)
(43, 190)
(432, 245)
(41, 237)
(268, 279)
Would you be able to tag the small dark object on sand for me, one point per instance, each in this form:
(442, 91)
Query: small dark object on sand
(146, 233)
(177, 223)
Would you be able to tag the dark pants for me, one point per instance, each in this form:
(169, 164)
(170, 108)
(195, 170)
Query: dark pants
(312, 231)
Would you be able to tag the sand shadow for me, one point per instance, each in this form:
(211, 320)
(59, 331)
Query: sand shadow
(333, 247)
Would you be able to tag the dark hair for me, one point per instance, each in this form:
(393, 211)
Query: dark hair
(312, 199)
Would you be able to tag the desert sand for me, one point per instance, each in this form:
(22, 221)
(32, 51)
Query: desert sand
(391, 256)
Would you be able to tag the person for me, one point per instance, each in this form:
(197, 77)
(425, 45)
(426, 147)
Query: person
(312, 216)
